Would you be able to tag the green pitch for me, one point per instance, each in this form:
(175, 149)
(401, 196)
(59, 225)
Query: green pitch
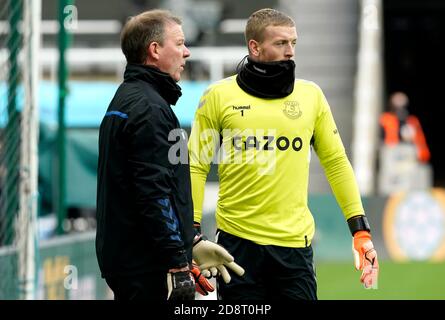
(397, 281)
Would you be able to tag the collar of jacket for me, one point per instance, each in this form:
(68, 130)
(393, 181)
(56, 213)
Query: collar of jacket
(269, 80)
(162, 81)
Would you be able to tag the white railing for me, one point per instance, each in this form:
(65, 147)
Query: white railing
(216, 59)
(51, 27)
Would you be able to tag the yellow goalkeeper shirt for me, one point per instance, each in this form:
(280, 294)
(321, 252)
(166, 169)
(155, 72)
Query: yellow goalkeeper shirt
(263, 147)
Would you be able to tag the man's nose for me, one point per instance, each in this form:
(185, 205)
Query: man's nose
(290, 52)
(186, 52)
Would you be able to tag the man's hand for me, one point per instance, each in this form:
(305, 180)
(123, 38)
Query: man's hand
(180, 284)
(213, 259)
(203, 286)
(365, 258)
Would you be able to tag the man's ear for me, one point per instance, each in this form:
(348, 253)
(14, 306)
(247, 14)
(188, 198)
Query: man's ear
(153, 51)
(254, 47)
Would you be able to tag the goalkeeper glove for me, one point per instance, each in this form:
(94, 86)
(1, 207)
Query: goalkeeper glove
(213, 258)
(180, 284)
(365, 256)
(202, 285)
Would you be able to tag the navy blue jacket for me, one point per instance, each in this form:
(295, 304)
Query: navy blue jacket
(144, 203)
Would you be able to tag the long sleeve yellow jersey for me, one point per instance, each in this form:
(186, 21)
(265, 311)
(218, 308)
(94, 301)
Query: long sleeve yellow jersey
(263, 148)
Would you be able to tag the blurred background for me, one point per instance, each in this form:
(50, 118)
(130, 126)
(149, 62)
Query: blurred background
(60, 64)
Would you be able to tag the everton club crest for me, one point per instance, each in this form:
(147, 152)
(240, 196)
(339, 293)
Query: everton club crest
(292, 110)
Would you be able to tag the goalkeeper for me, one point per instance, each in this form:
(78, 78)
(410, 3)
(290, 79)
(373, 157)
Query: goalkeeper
(264, 123)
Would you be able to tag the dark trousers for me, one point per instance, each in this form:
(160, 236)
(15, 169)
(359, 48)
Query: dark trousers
(272, 272)
(147, 286)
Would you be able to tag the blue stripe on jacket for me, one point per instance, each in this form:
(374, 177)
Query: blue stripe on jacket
(116, 113)
(172, 220)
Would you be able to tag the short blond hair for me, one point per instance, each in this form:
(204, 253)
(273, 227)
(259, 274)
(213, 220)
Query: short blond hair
(141, 30)
(259, 20)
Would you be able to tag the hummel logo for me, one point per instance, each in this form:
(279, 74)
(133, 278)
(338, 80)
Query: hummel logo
(241, 107)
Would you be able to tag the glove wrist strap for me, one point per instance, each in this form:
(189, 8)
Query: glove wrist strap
(198, 238)
(196, 228)
(358, 223)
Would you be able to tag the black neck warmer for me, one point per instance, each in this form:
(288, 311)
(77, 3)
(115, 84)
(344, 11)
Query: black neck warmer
(269, 80)
(162, 81)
